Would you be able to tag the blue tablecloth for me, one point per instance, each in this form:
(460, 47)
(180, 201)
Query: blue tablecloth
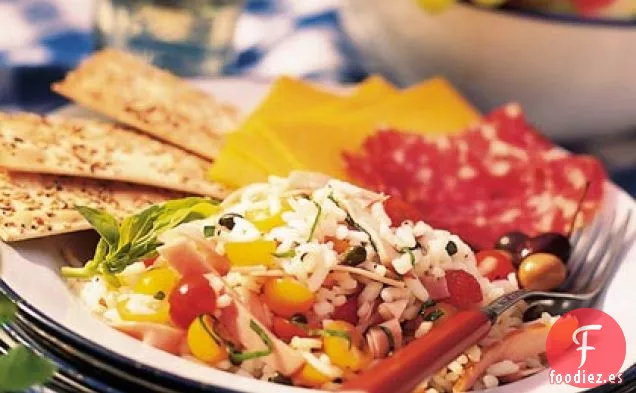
(41, 39)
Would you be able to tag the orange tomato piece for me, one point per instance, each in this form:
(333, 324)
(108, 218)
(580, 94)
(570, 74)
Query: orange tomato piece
(287, 296)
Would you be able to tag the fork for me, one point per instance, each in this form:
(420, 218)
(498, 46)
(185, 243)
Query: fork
(597, 251)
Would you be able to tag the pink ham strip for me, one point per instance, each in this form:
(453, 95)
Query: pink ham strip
(395, 309)
(437, 288)
(378, 341)
(236, 317)
(164, 337)
(516, 346)
(194, 258)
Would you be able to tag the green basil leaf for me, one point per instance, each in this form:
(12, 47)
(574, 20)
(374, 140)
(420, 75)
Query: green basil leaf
(20, 369)
(7, 309)
(105, 224)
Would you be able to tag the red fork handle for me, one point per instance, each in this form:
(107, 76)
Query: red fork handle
(423, 357)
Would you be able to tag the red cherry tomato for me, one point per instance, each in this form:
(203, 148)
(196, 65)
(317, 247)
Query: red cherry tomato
(285, 329)
(348, 311)
(399, 210)
(591, 7)
(464, 289)
(191, 297)
(494, 264)
(149, 261)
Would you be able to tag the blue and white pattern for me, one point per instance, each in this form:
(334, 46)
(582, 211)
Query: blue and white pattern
(41, 39)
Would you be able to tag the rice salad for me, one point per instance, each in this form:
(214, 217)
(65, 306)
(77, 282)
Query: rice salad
(302, 281)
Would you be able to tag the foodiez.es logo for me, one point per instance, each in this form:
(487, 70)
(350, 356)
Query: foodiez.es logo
(585, 348)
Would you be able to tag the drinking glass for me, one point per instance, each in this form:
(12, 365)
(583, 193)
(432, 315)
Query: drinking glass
(188, 37)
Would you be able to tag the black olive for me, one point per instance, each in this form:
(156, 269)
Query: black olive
(355, 256)
(227, 220)
(511, 242)
(551, 243)
(299, 318)
(451, 248)
(280, 379)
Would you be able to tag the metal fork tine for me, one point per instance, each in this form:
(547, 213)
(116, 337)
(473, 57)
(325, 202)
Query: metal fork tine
(614, 255)
(575, 238)
(577, 260)
(596, 258)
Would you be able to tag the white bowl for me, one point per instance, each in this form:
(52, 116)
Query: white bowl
(574, 78)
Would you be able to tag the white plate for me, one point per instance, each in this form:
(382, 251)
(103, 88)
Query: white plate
(31, 269)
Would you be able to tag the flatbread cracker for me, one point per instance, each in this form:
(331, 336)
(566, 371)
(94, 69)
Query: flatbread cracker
(89, 148)
(33, 205)
(131, 91)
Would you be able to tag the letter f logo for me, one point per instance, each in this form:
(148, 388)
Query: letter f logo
(583, 347)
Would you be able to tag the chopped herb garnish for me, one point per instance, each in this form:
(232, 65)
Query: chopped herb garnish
(287, 254)
(136, 237)
(301, 321)
(315, 224)
(451, 248)
(209, 330)
(389, 335)
(406, 250)
(355, 256)
(160, 295)
(434, 315)
(227, 220)
(331, 333)
(239, 357)
(426, 305)
(280, 379)
(208, 230)
(350, 221)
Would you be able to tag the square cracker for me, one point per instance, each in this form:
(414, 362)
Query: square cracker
(131, 91)
(33, 205)
(89, 148)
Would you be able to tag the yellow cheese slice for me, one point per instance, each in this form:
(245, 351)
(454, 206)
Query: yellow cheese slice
(430, 108)
(235, 169)
(255, 139)
(288, 96)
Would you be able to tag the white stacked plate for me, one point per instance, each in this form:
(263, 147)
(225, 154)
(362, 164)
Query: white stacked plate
(101, 359)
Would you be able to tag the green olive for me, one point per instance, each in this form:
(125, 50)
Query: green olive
(541, 272)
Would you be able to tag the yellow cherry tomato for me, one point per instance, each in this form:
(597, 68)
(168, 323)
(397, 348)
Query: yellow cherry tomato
(435, 6)
(257, 252)
(342, 352)
(287, 296)
(157, 280)
(310, 377)
(203, 345)
(158, 312)
(264, 220)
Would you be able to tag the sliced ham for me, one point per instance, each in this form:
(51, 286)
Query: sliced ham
(437, 288)
(384, 338)
(237, 320)
(164, 337)
(188, 256)
(516, 346)
(393, 310)
(237, 317)
(257, 308)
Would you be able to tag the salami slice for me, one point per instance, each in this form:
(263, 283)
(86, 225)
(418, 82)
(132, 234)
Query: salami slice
(498, 176)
